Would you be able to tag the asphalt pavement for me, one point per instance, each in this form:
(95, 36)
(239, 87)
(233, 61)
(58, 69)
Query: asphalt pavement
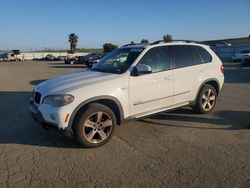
(170, 149)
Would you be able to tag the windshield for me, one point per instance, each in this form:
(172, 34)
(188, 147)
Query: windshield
(118, 61)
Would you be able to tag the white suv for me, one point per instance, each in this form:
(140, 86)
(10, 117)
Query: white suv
(131, 82)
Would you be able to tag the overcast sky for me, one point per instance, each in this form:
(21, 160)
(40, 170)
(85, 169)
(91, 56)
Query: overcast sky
(39, 24)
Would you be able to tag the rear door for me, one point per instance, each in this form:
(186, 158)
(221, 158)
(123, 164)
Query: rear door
(188, 71)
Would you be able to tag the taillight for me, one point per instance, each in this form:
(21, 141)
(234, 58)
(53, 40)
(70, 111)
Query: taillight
(222, 69)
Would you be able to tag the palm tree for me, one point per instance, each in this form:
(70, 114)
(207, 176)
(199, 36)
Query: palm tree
(73, 39)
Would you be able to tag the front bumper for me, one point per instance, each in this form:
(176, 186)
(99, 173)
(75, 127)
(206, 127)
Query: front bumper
(39, 119)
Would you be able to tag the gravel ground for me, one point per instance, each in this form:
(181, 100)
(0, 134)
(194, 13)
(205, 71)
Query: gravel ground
(170, 149)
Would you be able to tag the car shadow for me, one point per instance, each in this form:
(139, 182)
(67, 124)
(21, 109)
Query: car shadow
(187, 118)
(17, 126)
(56, 63)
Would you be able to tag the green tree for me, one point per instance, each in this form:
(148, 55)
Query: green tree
(167, 38)
(73, 39)
(108, 47)
(144, 41)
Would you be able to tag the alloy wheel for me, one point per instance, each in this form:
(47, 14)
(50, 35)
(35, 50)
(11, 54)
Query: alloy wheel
(208, 99)
(97, 127)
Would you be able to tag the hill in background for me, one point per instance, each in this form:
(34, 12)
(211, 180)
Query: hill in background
(243, 40)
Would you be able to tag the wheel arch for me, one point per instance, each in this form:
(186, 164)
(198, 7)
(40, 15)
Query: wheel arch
(213, 82)
(109, 101)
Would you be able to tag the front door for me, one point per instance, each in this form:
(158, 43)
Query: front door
(153, 91)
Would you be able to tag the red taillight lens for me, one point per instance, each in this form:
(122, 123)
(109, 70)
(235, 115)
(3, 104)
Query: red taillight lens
(222, 69)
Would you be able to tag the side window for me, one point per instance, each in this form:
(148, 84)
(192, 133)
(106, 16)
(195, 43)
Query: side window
(157, 58)
(207, 58)
(185, 55)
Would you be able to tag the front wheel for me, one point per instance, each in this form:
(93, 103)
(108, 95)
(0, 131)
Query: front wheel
(95, 125)
(206, 100)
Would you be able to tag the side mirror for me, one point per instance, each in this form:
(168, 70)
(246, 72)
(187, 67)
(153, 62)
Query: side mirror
(141, 69)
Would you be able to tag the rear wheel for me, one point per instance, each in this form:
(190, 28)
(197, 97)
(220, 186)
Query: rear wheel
(206, 100)
(95, 125)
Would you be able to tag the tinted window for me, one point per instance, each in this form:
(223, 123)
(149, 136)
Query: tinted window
(184, 56)
(157, 58)
(204, 54)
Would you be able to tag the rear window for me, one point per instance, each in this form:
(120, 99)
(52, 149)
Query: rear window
(207, 58)
(185, 55)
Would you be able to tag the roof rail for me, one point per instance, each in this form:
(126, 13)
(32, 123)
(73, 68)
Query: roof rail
(132, 44)
(187, 41)
(157, 42)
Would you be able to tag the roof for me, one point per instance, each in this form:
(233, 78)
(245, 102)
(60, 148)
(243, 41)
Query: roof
(159, 42)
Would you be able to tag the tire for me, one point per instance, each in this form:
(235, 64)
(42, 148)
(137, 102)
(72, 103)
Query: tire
(89, 65)
(95, 125)
(206, 100)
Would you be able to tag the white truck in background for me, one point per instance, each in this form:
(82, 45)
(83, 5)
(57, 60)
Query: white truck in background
(14, 55)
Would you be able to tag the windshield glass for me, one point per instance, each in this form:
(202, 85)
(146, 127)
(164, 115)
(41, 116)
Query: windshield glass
(118, 61)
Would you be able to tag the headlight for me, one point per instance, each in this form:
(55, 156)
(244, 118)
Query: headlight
(58, 100)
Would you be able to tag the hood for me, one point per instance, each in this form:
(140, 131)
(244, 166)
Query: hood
(73, 81)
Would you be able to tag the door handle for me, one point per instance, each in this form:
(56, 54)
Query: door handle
(202, 70)
(169, 78)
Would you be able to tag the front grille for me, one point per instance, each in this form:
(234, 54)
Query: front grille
(37, 97)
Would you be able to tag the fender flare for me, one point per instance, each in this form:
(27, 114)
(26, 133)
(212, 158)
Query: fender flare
(103, 97)
(203, 83)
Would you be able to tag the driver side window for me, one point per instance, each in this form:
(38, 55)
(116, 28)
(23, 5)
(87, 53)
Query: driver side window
(157, 58)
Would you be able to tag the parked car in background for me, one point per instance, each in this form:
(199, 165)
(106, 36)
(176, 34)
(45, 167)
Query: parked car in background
(88, 58)
(240, 56)
(246, 61)
(3, 56)
(221, 44)
(81, 59)
(95, 59)
(50, 57)
(71, 60)
(61, 58)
